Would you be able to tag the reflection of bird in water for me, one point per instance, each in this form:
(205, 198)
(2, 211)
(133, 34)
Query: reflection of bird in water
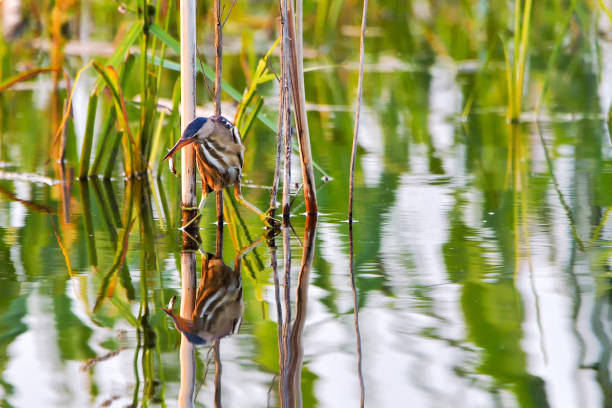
(220, 157)
(218, 309)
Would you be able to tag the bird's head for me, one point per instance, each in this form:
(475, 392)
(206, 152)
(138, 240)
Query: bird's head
(189, 328)
(195, 129)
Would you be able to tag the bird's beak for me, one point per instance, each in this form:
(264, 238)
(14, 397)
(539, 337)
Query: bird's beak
(183, 141)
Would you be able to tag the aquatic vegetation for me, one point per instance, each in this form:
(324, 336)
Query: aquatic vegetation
(482, 249)
(516, 65)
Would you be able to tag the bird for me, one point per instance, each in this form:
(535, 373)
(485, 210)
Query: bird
(219, 156)
(218, 307)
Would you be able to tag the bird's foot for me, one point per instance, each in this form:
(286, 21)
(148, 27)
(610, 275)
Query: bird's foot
(269, 220)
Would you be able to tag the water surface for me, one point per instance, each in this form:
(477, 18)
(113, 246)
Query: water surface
(481, 249)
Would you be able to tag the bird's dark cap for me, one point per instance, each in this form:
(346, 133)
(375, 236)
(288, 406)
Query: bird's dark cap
(188, 136)
(193, 127)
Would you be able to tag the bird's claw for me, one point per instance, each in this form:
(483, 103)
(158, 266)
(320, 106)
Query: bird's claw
(271, 222)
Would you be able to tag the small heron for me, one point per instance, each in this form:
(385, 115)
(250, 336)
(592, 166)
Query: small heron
(220, 157)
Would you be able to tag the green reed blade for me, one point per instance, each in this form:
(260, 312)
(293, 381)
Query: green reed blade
(114, 150)
(606, 9)
(511, 108)
(88, 139)
(68, 105)
(244, 131)
(131, 150)
(523, 52)
(156, 144)
(122, 48)
(102, 148)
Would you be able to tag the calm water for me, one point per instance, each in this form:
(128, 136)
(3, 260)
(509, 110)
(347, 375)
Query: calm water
(481, 251)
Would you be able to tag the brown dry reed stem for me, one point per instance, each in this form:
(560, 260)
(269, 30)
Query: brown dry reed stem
(204, 78)
(296, 72)
(284, 128)
(287, 168)
(24, 77)
(218, 76)
(218, 54)
(279, 148)
(357, 109)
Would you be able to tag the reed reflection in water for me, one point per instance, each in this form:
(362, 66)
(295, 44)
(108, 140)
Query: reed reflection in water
(213, 313)
(214, 310)
(291, 351)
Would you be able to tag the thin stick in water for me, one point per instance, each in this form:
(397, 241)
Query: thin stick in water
(218, 75)
(357, 110)
(299, 103)
(285, 117)
(218, 55)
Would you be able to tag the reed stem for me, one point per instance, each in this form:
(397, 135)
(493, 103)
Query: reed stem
(357, 109)
(188, 196)
(284, 128)
(188, 89)
(299, 103)
(218, 76)
(218, 55)
(88, 139)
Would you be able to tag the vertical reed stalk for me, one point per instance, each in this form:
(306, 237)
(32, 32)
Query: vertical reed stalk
(516, 71)
(218, 55)
(103, 144)
(88, 139)
(357, 109)
(299, 103)
(287, 170)
(218, 75)
(188, 52)
(279, 134)
(285, 115)
(279, 148)
(188, 196)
